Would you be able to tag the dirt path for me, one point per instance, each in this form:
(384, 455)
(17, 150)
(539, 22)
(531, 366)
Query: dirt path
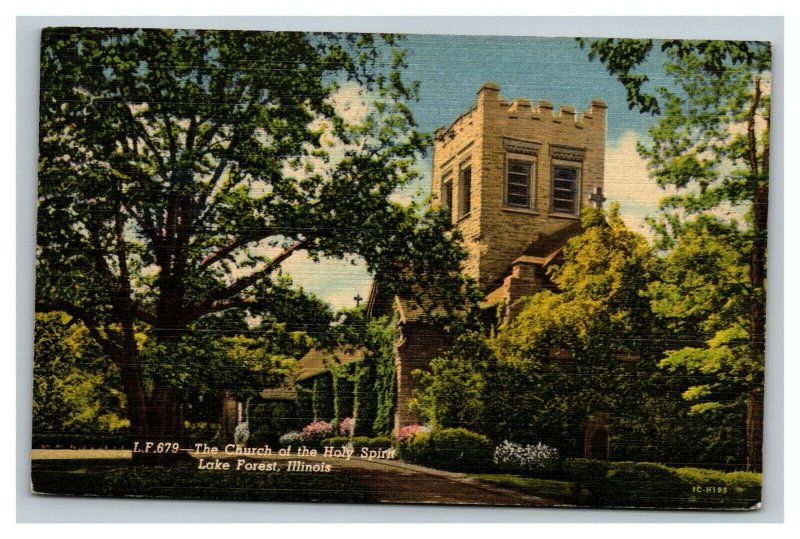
(398, 482)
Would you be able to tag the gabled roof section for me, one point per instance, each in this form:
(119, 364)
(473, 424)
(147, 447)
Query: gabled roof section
(315, 362)
(547, 247)
(279, 394)
(408, 310)
(379, 303)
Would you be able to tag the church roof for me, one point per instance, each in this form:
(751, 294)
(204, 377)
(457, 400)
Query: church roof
(409, 311)
(279, 394)
(546, 246)
(316, 360)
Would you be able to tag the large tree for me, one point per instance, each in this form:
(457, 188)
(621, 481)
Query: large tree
(543, 374)
(711, 146)
(179, 169)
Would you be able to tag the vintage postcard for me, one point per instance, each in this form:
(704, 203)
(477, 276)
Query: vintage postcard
(286, 266)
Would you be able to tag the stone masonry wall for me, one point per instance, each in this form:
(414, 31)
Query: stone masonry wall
(495, 234)
(418, 345)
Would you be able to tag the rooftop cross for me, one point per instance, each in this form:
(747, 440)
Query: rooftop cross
(597, 197)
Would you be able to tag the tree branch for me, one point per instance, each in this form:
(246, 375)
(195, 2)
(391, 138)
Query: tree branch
(110, 348)
(206, 305)
(752, 149)
(233, 245)
(143, 314)
(147, 141)
(225, 250)
(147, 225)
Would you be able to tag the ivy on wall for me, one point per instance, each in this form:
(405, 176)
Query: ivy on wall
(363, 390)
(384, 337)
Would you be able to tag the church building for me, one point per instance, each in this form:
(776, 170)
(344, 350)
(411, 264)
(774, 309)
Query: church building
(513, 177)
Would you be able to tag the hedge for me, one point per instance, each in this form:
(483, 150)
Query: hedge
(647, 484)
(590, 474)
(378, 442)
(117, 440)
(449, 449)
(335, 440)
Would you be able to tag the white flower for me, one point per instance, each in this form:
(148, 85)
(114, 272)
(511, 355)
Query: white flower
(528, 457)
(241, 433)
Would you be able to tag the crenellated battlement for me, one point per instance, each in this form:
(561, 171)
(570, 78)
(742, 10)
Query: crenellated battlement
(522, 107)
(490, 102)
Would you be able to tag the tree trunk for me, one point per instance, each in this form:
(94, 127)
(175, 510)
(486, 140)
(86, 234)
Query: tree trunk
(755, 430)
(758, 317)
(758, 280)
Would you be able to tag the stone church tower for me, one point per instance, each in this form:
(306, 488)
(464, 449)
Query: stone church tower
(513, 178)
(513, 175)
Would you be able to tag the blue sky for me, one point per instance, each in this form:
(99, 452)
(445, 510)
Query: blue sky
(450, 70)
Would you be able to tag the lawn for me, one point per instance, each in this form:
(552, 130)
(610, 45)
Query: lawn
(545, 488)
(119, 478)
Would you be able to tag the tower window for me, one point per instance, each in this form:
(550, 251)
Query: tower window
(518, 183)
(465, 191)
(447, 197)
(565, 189)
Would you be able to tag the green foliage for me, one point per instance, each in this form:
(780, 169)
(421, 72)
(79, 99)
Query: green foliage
(449, 449)
(704, 295)
(336, 441)
(343, 392)
(322, 397)
(645, 484)
(304, 405)
(711, 150)
(589, 474)
(568, 345)
(363, 390)
(180, 169)
(585, 470)
(378, 442)
(364, 398)
(223, 353)
(269, 420)
(452, 392)
(383, 335)
(622, 57)
(74, 399)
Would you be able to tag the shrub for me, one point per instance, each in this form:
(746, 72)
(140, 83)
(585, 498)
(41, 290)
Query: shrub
(586, 470)
(411, 430)
(379, 442)
(336, 440)
(712, 488)
(449, 449)
(525, 458)
(316, 428)
(591, 474)
(646, 484)
(347, 426)
(291, 438)
(315, 432)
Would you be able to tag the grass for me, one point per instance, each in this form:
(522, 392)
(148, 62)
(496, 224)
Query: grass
(121, 478)
(545, 488)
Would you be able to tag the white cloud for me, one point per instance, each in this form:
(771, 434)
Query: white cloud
(628, 182)
(352, 102)
(335, 281)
